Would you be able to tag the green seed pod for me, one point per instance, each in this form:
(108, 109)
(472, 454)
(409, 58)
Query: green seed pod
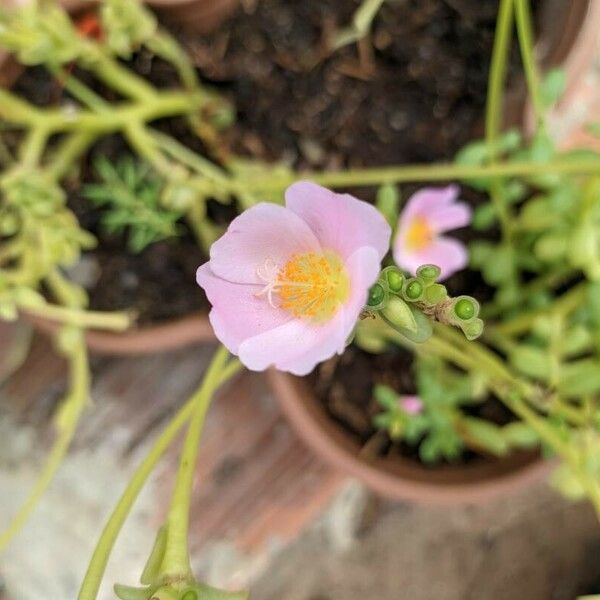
(428, 273)
(394, 278)
(466, 308)
(398, 314)
(472, 329)
(377, 297)
(413, 290)
(435, 293)
(189, 595)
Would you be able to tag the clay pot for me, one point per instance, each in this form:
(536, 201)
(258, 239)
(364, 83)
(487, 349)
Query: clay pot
(400, 478)
(200, 16)
(569, 40)
(149, 339)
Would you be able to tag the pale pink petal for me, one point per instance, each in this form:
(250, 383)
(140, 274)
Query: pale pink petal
(363, 268)
(412, 405)
(341, 222)
(446, 218)
(448, 254)
(265, 232)
(425, 200)
(297, 347)
(238, 313)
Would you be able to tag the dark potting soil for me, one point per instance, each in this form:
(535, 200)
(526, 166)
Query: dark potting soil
(414, 91)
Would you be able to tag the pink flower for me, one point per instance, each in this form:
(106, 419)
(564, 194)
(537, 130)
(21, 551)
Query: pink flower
(412, 405)
(427, 214)
(287, 284)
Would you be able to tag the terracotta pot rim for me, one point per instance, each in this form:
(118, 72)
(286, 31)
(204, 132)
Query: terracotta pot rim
(148, 339)
(399, 478)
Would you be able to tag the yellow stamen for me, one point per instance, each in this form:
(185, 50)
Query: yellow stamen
(419, 234)
(313, 285)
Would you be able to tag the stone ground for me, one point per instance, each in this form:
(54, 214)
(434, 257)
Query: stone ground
(266, 514)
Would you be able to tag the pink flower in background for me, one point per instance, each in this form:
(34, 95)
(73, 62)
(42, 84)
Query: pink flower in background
(429, 213)
(413, 405)
(287, 285)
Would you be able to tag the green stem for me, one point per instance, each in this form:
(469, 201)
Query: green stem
(93, 576)
(558, 445)
(115, 76)
(69, 414)
(525, 33)
(497, 77)
(16, 110)
(33, 147)
(164, 45)
(80, 91)
(505, 389)
(55, 120)
(188, 157)
(63, 158)
(176, 562)
(494, 104)
(436, 172)
(144, 144)
(361, 24)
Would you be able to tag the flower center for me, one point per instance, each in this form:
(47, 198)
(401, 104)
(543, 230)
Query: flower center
(419, 234)
(311, 285)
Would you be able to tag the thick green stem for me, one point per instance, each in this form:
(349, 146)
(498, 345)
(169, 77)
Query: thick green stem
(144, 144)
(64, 157)
(80, 91)
(33, 147)
(69, 414)
(115, 76)
(525, 33)
(435, 172)
(93, 577)
(176, 562)
(57, 120)
(494, 104)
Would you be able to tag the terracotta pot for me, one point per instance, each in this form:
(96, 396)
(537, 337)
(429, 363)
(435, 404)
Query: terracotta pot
(569, 39)
(180, 332)
(400, 478)
(151, 339)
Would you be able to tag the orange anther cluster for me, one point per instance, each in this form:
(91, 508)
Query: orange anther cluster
(419, 235)
(313, 285)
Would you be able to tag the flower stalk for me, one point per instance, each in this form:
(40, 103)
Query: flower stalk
(95, 571)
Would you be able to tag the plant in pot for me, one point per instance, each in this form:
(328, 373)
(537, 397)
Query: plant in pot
(446, 420)
(124, 156)
(290, 286)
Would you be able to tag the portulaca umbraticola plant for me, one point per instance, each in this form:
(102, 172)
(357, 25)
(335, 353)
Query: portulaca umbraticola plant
(288, 284)
(292, 285)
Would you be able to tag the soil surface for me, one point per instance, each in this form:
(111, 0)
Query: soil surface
(413, 91)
